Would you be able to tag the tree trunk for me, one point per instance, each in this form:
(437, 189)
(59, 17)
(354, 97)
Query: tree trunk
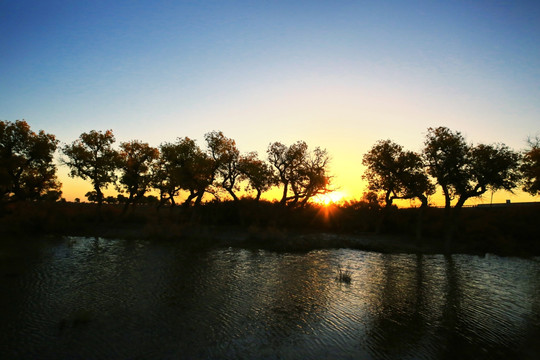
(231, 192)
(128, 202)
(198, 200)
(191, 196)
(171, 198)
(285, 190)
(388, 204)
(99, 195)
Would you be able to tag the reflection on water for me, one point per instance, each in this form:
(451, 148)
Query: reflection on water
(97, 298)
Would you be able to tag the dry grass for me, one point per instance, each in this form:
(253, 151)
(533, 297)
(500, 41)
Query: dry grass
(344, 276)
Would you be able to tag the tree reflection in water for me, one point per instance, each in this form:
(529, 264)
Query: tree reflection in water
(127, 299)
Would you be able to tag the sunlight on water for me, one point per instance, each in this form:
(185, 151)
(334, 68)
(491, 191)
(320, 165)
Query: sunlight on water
(97, 298)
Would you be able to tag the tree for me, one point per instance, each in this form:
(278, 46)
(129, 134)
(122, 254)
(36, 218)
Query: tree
(287, 161)
(398, 174)
(490, 167)
(313, 177)
(257, 173)
(372, 200)
(164, 179)
(110, 200)
(226, 158)
(91, 196)
(530, 167)
(464, 171)
(92, 157)
(301, 173)
(445, 153)
(26, 163)
(121, 199)
(137, 165)
(184, 166)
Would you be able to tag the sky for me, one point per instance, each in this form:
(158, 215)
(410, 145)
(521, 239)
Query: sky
(337, 74)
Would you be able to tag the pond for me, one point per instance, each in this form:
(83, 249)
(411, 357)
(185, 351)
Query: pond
(101, 298)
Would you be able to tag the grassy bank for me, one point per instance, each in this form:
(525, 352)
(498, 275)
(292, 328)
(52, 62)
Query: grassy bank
(512, 230)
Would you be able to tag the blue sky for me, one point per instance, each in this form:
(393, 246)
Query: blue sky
(337, 74)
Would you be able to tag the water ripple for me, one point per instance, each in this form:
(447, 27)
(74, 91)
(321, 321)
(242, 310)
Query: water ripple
(98, 298)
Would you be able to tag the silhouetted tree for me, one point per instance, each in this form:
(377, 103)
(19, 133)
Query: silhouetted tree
(418, 185)
(313, 177)
(121, 199)
(302, 174)
(26, 163)
(164, 180)
(226, 158)
(446, 155)
(184, 166)
(150, 199)
(396, 173)
(464, 171)
(92, 157)
(286, 160)
(111, 200)
(138, 163)
(257, 173)
(52, 196)
(91, 196)
(530, 167)
(372, 200)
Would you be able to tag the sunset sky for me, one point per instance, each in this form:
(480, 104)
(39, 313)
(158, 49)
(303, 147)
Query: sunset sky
(337, 74)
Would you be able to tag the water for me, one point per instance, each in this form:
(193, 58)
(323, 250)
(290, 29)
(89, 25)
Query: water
(99, 298)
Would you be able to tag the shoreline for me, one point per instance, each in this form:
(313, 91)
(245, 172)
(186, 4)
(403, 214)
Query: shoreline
(301, 241)
(268, 226)
(272, 239)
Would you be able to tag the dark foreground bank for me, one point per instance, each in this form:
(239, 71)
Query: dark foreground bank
(513, 230)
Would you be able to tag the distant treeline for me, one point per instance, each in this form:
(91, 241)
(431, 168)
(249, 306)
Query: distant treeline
(460, 169)
(28, 172)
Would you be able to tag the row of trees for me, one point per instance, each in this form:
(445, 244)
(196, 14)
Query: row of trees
(181, 167)
(461, 170)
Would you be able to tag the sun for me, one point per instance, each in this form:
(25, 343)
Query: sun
(333, 197)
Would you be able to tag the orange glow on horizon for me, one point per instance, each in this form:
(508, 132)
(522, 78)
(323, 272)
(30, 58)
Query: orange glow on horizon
(77, 188)
(334, 197)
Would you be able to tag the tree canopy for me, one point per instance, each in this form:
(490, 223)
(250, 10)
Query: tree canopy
(258, 173)
(92, 157)
(226, 158)
(530, 167)
(184, 166)
(137, 164)
(464, 171)
(302, 174)
(27, 170)
(397, 173)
